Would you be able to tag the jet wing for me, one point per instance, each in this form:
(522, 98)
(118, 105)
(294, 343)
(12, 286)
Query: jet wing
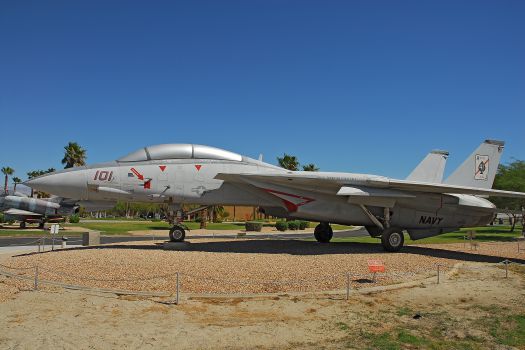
(334, 182)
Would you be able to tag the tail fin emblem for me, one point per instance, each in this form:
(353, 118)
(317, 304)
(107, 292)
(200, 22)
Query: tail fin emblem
(482, 167)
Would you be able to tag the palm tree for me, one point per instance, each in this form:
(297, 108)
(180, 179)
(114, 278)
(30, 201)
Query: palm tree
(16, 181)
(74, 155)
(33, 174)
(288, 162)
(7, 171)
(310, 167)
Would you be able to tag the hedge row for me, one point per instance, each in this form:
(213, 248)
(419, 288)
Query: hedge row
(292, 225)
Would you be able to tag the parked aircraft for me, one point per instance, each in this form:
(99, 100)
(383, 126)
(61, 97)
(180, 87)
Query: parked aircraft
(23, 209)
(186, 173)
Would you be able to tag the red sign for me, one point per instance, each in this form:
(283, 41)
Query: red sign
(162, 167)
(198, 167)
(376, 265)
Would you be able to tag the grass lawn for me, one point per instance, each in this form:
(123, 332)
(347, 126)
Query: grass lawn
(483, 234)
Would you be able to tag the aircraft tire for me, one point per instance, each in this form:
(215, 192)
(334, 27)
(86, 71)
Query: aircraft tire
(177, 234)
(392, 239)
(323, 232)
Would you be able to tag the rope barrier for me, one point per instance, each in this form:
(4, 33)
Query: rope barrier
(84, 288)
(24, 273)
(24, 244)
(17, 268)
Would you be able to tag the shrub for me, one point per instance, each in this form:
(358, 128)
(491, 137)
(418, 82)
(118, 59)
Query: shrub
(304, 225)
(253, 226)
(74, 219)
(281, 225)
(293, 225)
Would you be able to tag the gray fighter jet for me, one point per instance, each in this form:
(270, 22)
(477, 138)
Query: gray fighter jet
(18, 207)
(185, 173)
(24, 209)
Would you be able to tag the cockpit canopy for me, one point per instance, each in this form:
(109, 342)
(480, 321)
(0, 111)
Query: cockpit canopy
(179, 151)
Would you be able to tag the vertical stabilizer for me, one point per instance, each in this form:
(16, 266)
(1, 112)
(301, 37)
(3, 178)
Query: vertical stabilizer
(431, 168)
(480, 168)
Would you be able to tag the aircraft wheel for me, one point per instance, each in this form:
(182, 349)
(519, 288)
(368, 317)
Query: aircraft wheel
(392, 239)
(177, 234)
(23, 225)
(323, 233)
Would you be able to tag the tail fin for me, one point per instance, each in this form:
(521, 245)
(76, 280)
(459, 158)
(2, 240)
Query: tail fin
(480, 168)
(431, 168)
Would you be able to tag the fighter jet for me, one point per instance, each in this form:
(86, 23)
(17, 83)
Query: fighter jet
(25, 209)
(18, 207)
(188, 173)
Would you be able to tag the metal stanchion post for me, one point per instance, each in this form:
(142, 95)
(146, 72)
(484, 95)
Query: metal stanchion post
(36, 278)
(177, 301)
(506, 268)
(347, 286)
(438, 272)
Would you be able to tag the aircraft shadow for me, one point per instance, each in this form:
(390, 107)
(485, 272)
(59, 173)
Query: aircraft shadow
(299, 247)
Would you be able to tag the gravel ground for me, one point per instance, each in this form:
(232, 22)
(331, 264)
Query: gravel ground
(248, 266)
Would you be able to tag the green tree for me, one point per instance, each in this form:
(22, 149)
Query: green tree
(74, 155)
(310, 167)
(16, 181)
(7, 171)
(288, 162)
(510, 177)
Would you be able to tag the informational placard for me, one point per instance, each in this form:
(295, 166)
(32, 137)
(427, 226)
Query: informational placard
(376, 265)
(54, 229)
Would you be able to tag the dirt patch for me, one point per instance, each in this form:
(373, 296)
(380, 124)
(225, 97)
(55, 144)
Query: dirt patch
(471, 310)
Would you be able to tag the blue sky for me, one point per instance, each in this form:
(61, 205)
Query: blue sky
(357, 86)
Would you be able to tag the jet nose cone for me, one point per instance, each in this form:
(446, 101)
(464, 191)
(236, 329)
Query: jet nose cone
(69, 184)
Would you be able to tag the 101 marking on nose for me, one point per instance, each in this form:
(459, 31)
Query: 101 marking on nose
(103, 175)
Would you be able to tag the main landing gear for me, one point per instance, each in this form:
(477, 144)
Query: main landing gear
(392, 238)
(323, 232)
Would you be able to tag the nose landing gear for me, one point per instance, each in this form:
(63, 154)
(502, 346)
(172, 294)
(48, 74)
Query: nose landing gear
(177, 233)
